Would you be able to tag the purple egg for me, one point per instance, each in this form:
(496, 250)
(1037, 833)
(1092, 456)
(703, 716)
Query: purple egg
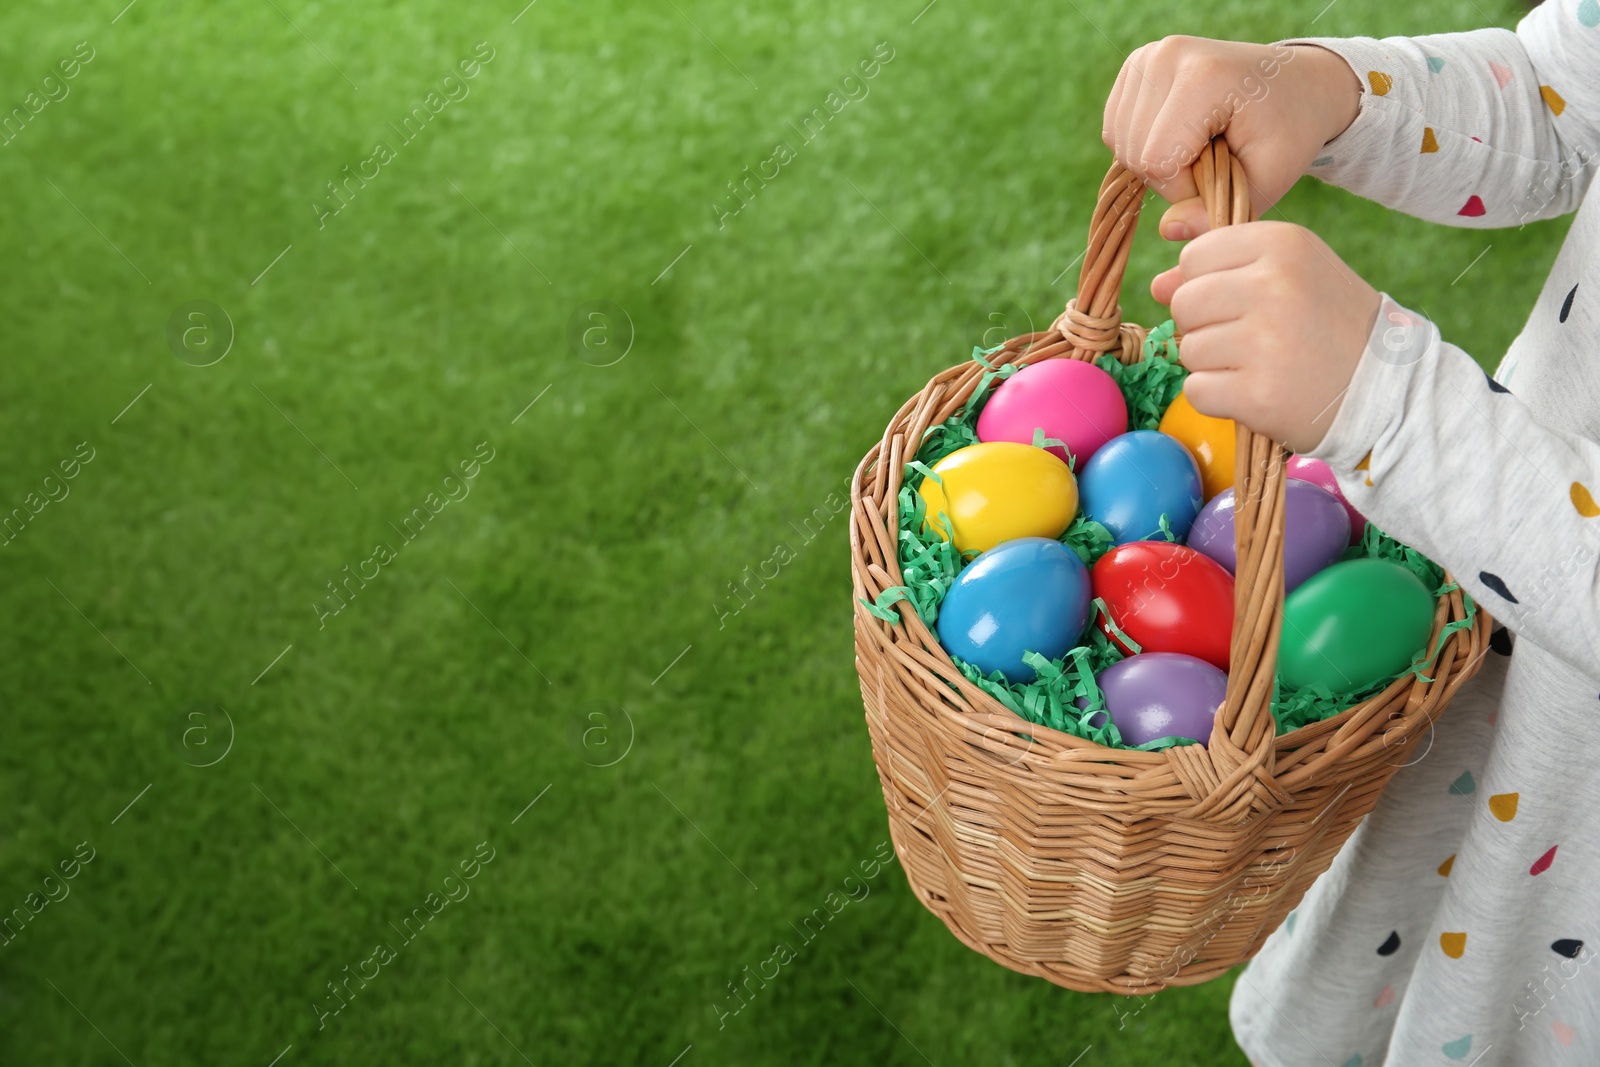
(1319, 473)
(1162, 694)
(1316, 531)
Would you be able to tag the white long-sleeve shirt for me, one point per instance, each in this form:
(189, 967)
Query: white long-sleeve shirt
(1459, 922)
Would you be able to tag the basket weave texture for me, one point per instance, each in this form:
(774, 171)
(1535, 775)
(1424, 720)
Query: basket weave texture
(1106, 869)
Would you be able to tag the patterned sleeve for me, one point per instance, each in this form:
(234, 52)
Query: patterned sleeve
(1439, 455)
(1482, 129)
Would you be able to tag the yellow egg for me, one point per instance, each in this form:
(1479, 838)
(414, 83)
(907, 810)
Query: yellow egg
(999, 491)
(1210, 440)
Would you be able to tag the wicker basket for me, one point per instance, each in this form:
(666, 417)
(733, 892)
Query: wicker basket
(1107, 869)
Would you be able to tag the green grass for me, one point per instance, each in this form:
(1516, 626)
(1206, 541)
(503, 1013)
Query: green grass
(598, 544)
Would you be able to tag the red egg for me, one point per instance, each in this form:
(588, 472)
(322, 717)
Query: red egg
(1168, 598)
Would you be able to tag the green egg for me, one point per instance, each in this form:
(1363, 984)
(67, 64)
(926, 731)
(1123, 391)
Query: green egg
(1353, 624)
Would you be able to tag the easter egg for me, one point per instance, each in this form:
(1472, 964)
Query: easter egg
(1168, 598)
(1071, 400)
(1210, 440)
(1134, 480)
(1162, 694)
(1027, 595)
(997, 492)
(1306, 469)
(1356, 623)
(1316, 531)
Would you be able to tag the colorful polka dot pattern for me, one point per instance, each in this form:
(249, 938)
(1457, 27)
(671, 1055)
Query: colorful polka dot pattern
(1381, 82)
(1583, 500)
(1503, 806)
(1366, 465)
(1497, 585)
(1453, 943)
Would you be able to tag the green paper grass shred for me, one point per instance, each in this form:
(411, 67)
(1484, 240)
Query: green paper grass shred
(1041, 441)
(929, 565)
(1088, 539)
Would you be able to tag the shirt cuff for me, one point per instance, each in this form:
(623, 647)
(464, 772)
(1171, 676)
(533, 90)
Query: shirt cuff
(1354, 155)
(1374, 402)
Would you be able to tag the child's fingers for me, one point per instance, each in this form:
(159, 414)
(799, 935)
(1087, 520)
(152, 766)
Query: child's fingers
(1174, 141)
(1170, 176)
(1212, 392)
(1185, 219)
(1211, 348)
(1224, 249)
(1139, 153)
(1121, 131)
(1166, 284)
(1211, 300)
(1108, 121)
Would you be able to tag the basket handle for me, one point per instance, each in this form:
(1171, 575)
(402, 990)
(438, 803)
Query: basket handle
(1241, 750)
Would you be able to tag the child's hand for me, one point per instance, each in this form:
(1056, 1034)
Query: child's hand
(1279, 105)
(1273, 326)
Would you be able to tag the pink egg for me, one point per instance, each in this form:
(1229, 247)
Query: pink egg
(1069, 399)
(1319, 473)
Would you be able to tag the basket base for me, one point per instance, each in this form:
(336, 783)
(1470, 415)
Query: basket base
(1161, 902)
(1080, 953)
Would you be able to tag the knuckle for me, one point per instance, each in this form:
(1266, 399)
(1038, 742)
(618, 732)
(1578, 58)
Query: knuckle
(1279, 337)
(1198, 388)
(1189, 255)
(1205, 65)
(1183, 307)
(1286, 238)
(1196, 251)
(1274, 286)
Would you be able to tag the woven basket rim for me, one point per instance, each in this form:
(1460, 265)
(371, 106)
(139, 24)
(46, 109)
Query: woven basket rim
(1285, 743)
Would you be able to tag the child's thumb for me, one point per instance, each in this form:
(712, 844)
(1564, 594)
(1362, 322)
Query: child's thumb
(1184, 220)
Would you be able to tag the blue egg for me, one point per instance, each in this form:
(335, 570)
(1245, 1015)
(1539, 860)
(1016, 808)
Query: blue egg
(1136, 478)
(1027, 595)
